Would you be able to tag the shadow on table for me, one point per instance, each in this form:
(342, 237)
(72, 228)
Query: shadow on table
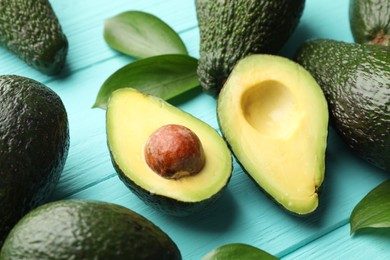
(218, 218)
(184, 97)
(302, 33)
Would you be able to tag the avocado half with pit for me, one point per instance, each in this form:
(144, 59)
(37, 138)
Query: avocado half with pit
(170, 159)
(274, 116)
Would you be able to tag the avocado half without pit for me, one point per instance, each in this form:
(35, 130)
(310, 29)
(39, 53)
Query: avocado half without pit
(170, 159)
(274, 116)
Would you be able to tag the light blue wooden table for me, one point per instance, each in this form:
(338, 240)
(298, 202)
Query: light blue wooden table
(244, 214)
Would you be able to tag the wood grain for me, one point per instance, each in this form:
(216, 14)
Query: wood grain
(244, 214)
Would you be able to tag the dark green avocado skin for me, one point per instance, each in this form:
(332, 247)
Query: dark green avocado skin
(34, 141)
(165, 204)
(370, 21)
(86, 229)
(355, 79)
(231, 30)
(31, 30)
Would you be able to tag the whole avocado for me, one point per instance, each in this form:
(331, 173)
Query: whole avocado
(85, 229)
(356, 81)
(34, 141)
(231, 30)
(370, 21)
(31, 30)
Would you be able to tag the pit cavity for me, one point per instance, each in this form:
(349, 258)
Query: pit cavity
(270, 108)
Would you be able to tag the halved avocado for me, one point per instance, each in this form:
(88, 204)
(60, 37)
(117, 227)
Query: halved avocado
(274, 116)
(132, 117)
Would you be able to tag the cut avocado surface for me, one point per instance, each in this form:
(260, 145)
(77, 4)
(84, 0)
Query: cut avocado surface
(274, 116)
(132, 117)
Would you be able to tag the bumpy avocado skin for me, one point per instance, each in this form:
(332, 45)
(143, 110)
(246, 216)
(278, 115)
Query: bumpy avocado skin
(84, 229)
(34, 141)
(370, 21)
(355, 79)
(31, 30)
(231, 30)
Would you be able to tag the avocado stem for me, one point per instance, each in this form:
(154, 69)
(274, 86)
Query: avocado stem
(380, 39)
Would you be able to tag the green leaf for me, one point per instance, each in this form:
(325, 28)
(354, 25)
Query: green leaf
(373, 211)
(142, 35)
(238, 251)
(164, 76)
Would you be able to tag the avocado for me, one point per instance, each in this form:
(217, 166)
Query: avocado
(31, 30)
(274, 116)
(356, 81)
(170, 159)
(231, 30)
(370, 21)
(86, 229)
(238, 251)
(34, 141)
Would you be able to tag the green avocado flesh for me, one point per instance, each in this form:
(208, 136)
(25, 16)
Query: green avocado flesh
(31, 30)
(131, 118)
(356, 81)
(83, 229)
(274, 116)
(34, 142)
(231, 30)
(370, 21)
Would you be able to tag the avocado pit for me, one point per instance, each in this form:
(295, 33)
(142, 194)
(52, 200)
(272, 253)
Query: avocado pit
(174, 151)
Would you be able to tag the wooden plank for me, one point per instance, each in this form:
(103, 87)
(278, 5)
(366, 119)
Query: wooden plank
(368, 244)
(244, 214)
(83, 23)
